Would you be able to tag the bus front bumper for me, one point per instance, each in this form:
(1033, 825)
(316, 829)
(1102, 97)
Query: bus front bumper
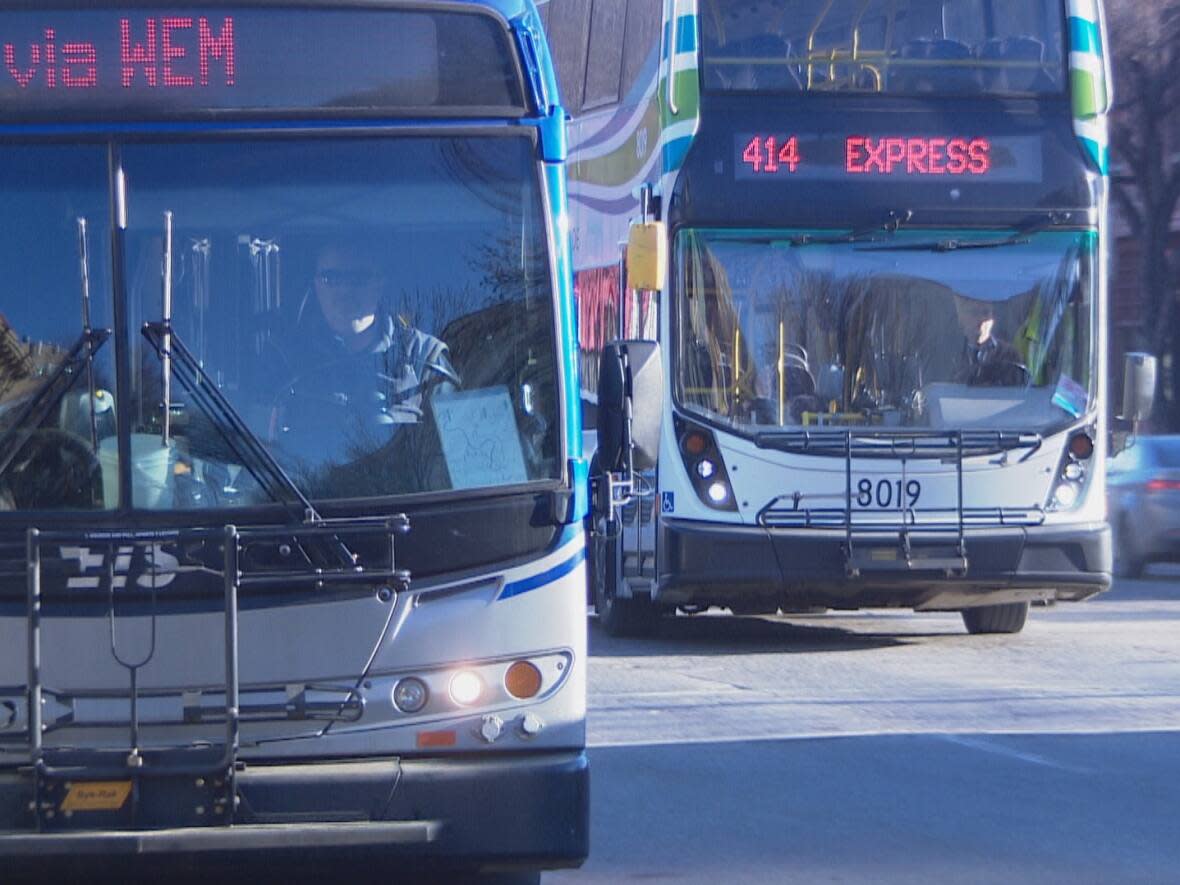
(714, 564)
(511, 812)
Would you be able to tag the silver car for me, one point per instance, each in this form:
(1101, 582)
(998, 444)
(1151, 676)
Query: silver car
(1143, 488)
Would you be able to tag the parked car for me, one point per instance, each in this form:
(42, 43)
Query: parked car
(1143, 490)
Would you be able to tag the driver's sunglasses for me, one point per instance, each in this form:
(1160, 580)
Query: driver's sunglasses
(351, 278)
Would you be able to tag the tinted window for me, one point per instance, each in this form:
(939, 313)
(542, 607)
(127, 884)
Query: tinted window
(569, 32)
(377, 311)
(58, 458)
(605, 58)
(892, 46)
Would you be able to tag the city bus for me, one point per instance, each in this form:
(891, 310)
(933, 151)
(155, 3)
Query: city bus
(292, 548)
(883, 317)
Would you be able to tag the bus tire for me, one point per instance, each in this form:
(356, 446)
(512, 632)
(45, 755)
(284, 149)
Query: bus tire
(1008, 618)
(618, 617)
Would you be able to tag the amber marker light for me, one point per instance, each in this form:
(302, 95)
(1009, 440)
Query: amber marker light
(523, 680)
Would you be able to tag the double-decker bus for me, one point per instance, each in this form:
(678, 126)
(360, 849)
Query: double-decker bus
(292, 556)
(883, 321)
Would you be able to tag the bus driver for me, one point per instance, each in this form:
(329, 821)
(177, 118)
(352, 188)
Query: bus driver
(354, 364)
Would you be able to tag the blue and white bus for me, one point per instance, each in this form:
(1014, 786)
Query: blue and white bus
(883, 323)
(291, 489)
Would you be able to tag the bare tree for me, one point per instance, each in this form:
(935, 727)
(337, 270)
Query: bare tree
(1145, 38)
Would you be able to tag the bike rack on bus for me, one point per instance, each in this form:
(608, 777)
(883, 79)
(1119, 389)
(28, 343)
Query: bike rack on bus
(882, 540)
(206, 769)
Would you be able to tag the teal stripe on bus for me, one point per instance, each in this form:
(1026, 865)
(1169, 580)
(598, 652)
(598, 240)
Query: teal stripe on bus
(1084, 36)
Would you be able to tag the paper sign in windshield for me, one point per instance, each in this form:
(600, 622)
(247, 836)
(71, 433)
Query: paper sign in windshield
(480, 439)
(1070, 396)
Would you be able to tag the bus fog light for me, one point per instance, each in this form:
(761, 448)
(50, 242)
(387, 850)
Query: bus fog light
(718, 493)
(706, 468)
(410, 695)
(523, 680)
(466, 688)
(1066, 495)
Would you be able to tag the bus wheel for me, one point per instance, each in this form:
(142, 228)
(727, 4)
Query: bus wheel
(618, 617)
(995, 618)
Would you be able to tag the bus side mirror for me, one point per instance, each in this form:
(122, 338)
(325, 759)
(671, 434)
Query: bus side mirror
(630, 406)
(647, 256)
(1139, 381)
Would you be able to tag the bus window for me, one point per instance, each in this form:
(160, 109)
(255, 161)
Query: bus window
(68, 460)
(1000, 47)
(836, 335)
(569, 34)
(352, 300)
(606, 50)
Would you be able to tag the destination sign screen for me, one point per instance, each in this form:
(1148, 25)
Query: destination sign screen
(135, 62)
(927, 157)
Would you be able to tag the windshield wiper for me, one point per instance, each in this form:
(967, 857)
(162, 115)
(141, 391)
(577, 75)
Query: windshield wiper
(45, 400)
(177, 359)
(890, 226)
(1020, 237)
(81, 353)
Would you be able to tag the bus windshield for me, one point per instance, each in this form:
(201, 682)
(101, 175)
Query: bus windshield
(955, 47)
(377, 312)
(902, 332)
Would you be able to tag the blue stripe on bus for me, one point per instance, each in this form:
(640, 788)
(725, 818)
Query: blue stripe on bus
(675, 152)
(1084, 37)
(516, 588)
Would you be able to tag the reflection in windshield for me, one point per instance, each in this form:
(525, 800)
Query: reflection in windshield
(894, 46)
(378, 313)
(844, 335)
(50, 194)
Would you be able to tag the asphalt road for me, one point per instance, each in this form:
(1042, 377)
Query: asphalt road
(891, 747)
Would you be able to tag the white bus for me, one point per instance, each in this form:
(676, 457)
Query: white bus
(883, 325)
(291, 487)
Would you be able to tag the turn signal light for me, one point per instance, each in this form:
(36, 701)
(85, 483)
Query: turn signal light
(523, 680)
(694, 443)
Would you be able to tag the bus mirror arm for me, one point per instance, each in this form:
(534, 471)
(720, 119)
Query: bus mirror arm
(630, 409)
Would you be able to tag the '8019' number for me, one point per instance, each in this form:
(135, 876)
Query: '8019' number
(888, 493)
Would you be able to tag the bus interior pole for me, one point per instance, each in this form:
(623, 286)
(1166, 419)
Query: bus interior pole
(166, 358)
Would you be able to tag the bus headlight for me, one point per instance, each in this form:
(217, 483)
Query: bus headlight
(466, 688)
(1065, 495)
(718, 493)
(410, 695)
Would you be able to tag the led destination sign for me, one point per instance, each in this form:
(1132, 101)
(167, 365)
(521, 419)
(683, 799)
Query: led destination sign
(888, 157)
(94, 64)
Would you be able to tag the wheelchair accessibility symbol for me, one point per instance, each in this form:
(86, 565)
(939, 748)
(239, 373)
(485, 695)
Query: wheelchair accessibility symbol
(667, 502)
